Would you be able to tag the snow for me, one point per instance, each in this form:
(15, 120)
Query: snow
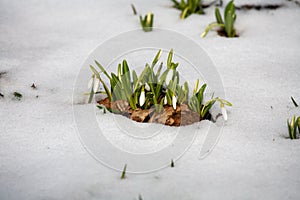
(41, 154)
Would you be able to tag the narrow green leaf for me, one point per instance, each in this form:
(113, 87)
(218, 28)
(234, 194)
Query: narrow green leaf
(184, 13)
(134, 77)
(294, 102)
(200, 93)
(196, 87)
(95, 71)
(218, 16)
(156, 58)
(169, 61)
(211, 26)
(102, 69)
(91, 95)
(123, 176)
(159, 70)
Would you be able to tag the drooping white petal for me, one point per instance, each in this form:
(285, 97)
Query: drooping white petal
(165, 100)
(174, 102)
(96, 85)
(90, 84)
(224, 113)
(147, 87)
(142, 98)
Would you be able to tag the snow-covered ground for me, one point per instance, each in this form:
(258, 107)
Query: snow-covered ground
(41, 156)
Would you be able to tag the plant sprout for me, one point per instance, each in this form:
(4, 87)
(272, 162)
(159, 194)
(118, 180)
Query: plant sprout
(18, 95)
(196, 102)
(147, 22)
(292, 127)
(172, 163)
(294, 102)
(153, 87)
(226, 25)
(123, 176)
(188, 7)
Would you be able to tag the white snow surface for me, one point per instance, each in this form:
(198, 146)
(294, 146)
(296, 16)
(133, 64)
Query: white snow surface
(41, 156)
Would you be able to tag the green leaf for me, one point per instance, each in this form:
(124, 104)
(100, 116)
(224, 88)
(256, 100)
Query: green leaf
(134, 77)
(229, 17)
(95, 71)
(126, 73)
(211, 26)
(169, 61)
(196, 87)
(102, 69)
(194, 104)
(207, 106)
(123, 176)
(294, 102)
(184, 13)
(159, 69)
(141, 77)
(156, 58)
(218, 16)
(200, 94)
(91, 95)
(119, 71)
(289, 129)
(229, 7)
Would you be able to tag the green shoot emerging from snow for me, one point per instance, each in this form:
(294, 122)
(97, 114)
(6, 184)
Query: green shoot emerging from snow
(18, 95)
(123, 176)
(188, 7)
(153, 87)
(226, 25)
(292, 126)
(196, 102)
(172, 163)
(294, 102)
(147, 22)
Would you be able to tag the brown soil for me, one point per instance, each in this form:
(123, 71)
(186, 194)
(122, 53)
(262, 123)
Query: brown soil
(259, 7)
(182, 116)
(221, 32)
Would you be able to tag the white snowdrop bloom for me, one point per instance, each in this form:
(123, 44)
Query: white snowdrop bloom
(165, 100)
(169, 76)
(147, 87)
(142, 98)
(90, 84)
(174, 101)
(224, 112)
(96, 85)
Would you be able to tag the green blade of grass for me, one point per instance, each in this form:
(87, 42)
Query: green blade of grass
(156, 58)
(218, 16)
(294, 102)
(102, 69)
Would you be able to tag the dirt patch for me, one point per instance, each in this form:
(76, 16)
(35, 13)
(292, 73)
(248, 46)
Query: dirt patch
(181, 116)
(221, 32)
(259, 7)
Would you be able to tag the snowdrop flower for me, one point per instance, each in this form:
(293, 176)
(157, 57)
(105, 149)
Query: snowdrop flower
(224, 112)
(142, 98)
(165, 100)
(174, 101)
(147, 87)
